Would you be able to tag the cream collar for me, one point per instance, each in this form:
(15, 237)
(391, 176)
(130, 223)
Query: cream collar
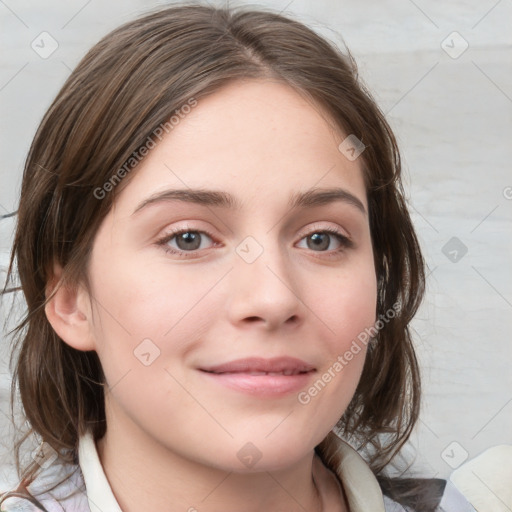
(359, 483)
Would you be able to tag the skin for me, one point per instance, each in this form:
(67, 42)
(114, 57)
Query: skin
(173, 435)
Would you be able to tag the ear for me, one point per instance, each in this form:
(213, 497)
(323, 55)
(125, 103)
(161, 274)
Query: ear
(69, 313)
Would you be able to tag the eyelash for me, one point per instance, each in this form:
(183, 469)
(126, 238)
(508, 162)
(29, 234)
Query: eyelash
(345, 243)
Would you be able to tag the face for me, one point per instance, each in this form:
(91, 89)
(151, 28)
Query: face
(219, 317)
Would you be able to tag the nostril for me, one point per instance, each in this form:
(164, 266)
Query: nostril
(254, 319)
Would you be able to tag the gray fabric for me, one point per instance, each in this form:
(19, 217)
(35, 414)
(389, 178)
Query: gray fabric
(393, 506)
(453, 500)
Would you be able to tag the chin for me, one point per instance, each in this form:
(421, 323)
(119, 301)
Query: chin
(274, 453)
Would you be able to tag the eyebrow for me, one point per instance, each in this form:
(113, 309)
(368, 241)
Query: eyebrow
(308, 199)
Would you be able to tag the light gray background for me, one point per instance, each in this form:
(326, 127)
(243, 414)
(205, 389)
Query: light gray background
(453, 119)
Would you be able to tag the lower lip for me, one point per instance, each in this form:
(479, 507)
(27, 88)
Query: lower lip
(262, 385)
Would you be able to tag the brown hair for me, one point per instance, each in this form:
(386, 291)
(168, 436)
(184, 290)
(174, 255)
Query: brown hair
(126, 86)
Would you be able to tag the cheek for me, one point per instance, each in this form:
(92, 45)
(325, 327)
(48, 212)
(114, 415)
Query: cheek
(144, 326)
(347, 303)
(347, 307)
(143, 309)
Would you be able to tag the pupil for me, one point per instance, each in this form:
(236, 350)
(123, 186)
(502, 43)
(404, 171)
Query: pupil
(190, 240)
(317, 240)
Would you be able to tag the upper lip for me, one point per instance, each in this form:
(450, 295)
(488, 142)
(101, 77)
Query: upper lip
(284, 365)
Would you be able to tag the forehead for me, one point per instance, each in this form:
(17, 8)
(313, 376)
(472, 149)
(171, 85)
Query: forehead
(259, 140)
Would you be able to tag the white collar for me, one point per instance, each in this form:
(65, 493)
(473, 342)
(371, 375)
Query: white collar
(360, 485)
(99, 492)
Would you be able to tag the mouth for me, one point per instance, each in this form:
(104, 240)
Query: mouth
(262, 377)
(261, 366)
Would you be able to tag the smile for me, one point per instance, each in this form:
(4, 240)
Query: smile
(262, 377)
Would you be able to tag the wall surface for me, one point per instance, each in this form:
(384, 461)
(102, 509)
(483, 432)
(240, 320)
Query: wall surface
(441, 73)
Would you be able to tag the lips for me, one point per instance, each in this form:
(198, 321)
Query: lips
(263, 378)
(261, 366)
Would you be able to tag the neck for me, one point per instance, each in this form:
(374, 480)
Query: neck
(144, 475)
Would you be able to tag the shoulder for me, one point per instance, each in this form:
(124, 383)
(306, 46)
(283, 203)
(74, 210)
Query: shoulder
(56, 488)
(435, 494)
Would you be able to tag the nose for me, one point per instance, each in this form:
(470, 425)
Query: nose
(264, 292)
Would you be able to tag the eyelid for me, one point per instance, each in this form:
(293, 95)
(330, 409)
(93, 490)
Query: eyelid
(317, 227)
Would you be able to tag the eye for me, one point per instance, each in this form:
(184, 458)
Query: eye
(321, 240)
(182, 241)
